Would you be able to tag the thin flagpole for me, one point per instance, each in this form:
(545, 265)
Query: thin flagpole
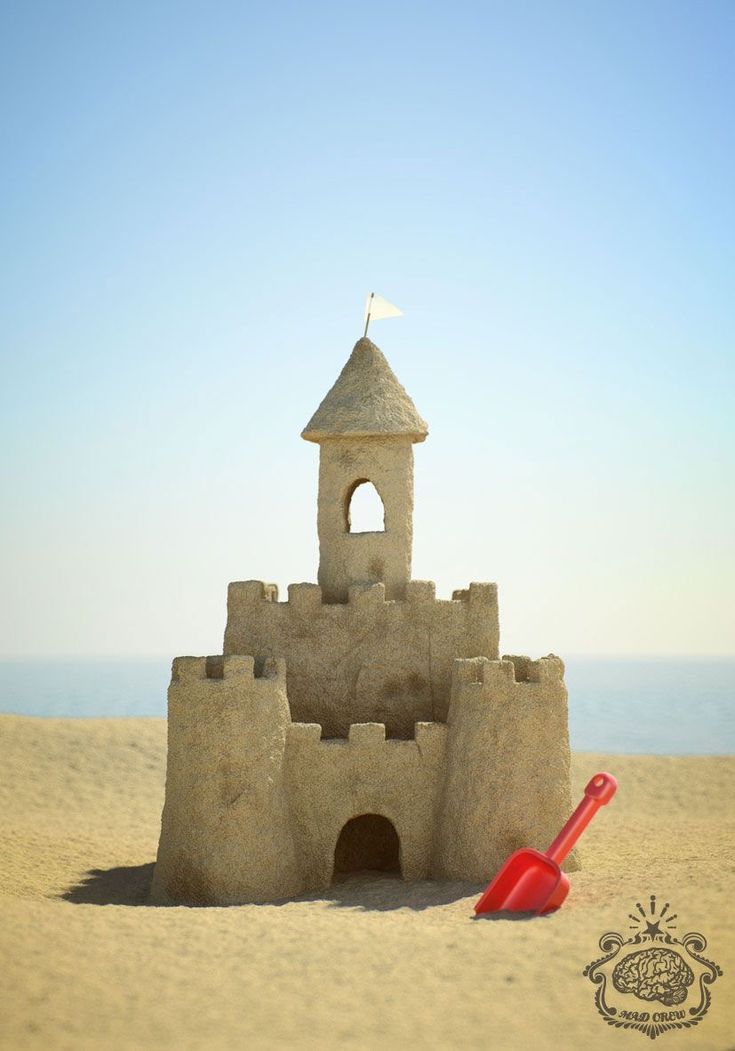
(367, 319)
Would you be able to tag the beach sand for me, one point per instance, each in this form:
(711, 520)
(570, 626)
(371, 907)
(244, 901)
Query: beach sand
(369, 964)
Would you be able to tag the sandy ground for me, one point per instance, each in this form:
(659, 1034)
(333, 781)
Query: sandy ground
(371, 964)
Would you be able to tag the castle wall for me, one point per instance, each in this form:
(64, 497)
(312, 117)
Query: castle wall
(331, 781)
(366, 660)
(507, 780)
(347, 558)
(225, 830)
(255, 803)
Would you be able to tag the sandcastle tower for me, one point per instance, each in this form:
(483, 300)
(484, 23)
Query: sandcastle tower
(363, 723)
(365, 427)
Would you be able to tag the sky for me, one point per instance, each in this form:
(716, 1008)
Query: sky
(196, 199)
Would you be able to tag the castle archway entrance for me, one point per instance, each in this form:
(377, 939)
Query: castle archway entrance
(367, 843)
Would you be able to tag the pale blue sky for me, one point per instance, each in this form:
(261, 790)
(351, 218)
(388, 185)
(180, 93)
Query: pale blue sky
(196, 198)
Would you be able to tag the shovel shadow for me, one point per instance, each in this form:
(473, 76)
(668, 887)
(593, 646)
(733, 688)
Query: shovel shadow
(506, 914)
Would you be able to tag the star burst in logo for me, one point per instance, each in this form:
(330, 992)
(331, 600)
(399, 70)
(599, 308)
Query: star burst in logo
(652, 929)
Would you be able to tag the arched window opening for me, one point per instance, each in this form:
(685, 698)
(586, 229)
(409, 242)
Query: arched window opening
(364, 510)
(367, 843)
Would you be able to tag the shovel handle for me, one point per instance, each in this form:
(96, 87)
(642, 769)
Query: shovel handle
(598, 792)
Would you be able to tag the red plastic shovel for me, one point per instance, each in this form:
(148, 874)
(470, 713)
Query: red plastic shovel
(530, 881)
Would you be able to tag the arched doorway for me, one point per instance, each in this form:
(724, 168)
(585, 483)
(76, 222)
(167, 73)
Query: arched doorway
(367, 843)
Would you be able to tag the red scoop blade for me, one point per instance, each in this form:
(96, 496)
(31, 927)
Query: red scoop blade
(525, 883)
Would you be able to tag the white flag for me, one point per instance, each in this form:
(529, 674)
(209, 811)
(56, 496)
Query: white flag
(376, 308)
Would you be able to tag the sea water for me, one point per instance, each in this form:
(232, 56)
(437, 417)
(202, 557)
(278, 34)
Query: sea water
(660, 706)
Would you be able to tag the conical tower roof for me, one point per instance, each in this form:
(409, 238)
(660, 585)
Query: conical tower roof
(366, 401)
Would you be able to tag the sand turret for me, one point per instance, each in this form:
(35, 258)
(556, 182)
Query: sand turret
(365, 426)
(507, 733)
(225, 785)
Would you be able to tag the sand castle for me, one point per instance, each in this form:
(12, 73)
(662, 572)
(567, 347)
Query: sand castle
(362, 724)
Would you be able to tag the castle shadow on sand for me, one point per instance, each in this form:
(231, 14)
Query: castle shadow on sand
(369, 891)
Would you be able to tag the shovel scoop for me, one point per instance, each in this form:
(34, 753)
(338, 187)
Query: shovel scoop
(530, 881)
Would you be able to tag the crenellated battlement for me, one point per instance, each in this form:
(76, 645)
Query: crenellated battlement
(509, 670)
(229, 668)
(477, 595)
(545, 669)
(368, 658)
(249, 593)
(370, 736)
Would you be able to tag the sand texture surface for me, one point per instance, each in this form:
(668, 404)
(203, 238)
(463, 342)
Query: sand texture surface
(373, 963)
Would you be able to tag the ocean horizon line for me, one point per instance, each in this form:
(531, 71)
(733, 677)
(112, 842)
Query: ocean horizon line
(632, 704)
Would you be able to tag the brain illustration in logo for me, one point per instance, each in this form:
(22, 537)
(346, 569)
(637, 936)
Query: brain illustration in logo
(654, 974)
